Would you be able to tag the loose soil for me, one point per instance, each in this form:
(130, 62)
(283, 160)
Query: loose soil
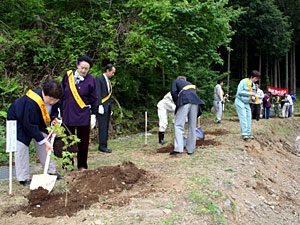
(85, 189)
(199, 143)
(217, 132)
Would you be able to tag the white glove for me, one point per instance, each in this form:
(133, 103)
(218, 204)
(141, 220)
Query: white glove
(101, 109)
(93, 121)
(56, 122)
(59, 122)
(111, 113)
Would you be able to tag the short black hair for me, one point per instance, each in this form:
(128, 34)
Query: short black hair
(53, 88)
(109, 67)
(219, 81)
(255, 73)
(85, 59)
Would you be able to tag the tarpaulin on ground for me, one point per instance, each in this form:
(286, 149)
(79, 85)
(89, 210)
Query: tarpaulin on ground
(278, 91)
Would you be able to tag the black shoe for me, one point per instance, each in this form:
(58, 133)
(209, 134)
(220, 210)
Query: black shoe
(190, 153)
(25, 182)
(162, 142)
(105, 150)
(174, 153)
(58, 176)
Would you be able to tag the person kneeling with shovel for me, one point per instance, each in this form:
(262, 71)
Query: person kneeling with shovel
(34, 112)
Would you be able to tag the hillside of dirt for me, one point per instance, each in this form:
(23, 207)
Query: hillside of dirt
(226, 181)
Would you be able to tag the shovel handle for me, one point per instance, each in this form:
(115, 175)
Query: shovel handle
(47, 162)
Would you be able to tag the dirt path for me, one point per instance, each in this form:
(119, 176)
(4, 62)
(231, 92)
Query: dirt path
(226, 181)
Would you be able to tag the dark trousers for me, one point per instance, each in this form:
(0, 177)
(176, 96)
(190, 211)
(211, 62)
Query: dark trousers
(255, 108)
(267, 112)
(103, 124)
(83, 133)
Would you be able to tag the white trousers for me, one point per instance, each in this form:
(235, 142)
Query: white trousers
(163, 118)
(219, 109)
(285, 110)
(22, 160)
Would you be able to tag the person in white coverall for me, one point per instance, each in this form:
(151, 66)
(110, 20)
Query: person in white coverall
(164, 107)
(219, 100)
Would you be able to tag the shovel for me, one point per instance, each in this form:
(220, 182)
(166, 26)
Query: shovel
(44, 180)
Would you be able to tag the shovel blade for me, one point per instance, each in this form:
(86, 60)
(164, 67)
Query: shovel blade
(45, 181)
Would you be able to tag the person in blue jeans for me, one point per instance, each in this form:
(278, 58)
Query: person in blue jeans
(246, 94)
(267, 105)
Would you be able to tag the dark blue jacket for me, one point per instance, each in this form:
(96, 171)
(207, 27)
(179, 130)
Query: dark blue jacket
(103, 92)
(30, 123)
(182, 97)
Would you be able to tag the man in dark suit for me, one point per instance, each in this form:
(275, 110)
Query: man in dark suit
(104, 88)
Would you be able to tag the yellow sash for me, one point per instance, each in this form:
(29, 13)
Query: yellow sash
(35, 97)
(250, 89)
(190, 86)
(74, 91)
(109, 94)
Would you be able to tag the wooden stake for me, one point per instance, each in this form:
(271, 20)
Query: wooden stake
(10, 172)
(146, 141)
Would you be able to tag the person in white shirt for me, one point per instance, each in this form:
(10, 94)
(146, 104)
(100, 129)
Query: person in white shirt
(164, 107)
(285, 106)
(291, 105)
(218, 100)
(256, 105)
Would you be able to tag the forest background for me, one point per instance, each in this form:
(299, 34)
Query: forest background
(151, 43)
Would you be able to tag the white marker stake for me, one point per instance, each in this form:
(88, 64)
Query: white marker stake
(11, 145)
(146, 141)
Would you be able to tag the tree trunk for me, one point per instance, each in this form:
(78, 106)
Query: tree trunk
(228, 70)
(163, 76)
(278, 74)
(267, 72)
(259, 66)
(291, 70)
(287, 70)
(294, 69)
(245, 72)
(275, 73)
(271, 76)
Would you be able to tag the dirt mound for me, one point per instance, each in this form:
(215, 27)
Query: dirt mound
(207, 142)
(86, 189)
(217, 132)
(166, 149)
(170, 148)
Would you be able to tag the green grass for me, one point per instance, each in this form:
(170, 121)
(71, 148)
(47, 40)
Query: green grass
(228, 181)
(229, 169)
(204, 204)
(171, 220)
(201, 180)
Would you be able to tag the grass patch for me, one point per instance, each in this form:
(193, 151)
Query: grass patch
(231, 170)
(201, 180)
(205, 204)
(228, 181)
(174, 219)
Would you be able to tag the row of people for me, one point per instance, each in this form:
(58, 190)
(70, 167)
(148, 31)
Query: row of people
(268, 101)
(83, 99)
